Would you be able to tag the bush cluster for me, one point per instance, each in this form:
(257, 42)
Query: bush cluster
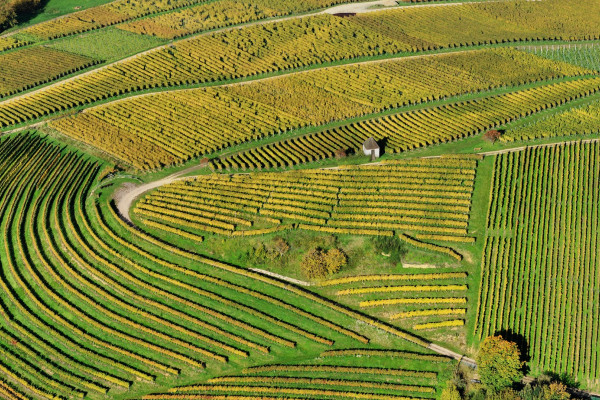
(318, 263)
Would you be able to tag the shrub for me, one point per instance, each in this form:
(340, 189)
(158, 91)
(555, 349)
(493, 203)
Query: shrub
(492, 135)
(340, 153)
(280, 246)
(450, 392)
(556, 391)
(318, 263)
(391, 245)
(270, 252)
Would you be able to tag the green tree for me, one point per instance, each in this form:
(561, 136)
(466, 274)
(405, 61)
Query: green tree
(335, 259)
(7, 15)
(499, 363)
(13, 11)
(318, 263)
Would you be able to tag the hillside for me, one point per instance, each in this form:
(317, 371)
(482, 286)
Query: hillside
(326, 199)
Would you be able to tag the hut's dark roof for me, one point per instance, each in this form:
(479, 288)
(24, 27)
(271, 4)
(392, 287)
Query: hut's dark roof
(371, 144)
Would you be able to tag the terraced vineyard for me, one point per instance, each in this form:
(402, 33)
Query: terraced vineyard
(540, 262)
(291, 44)
(205, 16)
(581, 120)
(34, 66)
(363, 374)
(126, 130)
(101, 16)
(431, 302)
(219, 14)
(428, 198)
(410, 130)
(585, 55)
(105, 313)
(286, 200)
(7, 43)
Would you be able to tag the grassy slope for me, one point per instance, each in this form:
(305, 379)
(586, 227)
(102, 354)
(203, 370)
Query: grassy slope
(109, 44)
(56, 8)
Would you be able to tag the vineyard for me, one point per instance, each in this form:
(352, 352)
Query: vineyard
(202, 17)
(96, 300)
(106, 44)
(410, 130)
(125, 130)
(101, 16)
(584, 55)
(35, 66)
(286, 200)
(7, 43)
(540, 262)
(290, 44)
(184, 16)
(421, 197)
(359, 374)
(430, 302)
(219, 14)
(581, 120)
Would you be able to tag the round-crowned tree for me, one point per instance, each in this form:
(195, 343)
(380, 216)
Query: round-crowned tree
(318, 263)
(499, 363)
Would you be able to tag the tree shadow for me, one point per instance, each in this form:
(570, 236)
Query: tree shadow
(521, 342)
(564, 378)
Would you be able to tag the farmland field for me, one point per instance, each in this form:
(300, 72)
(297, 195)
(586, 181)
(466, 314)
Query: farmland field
(294, 44)
(540, 261)
(299, 200)
(22, 70)
(210, 108)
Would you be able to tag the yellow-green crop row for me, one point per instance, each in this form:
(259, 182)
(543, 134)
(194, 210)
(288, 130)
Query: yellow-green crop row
(443, 324)
(419, 300)
(393, 277)
(429, 313)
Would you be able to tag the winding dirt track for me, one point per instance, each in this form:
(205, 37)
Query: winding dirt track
(127, 193)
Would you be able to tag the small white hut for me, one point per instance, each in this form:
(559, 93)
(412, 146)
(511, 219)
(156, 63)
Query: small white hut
(371, 148)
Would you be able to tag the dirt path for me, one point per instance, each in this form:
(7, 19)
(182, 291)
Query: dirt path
(452, 354)
(535, 146)
(282, 277)
(127, 193)
(366, 7)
